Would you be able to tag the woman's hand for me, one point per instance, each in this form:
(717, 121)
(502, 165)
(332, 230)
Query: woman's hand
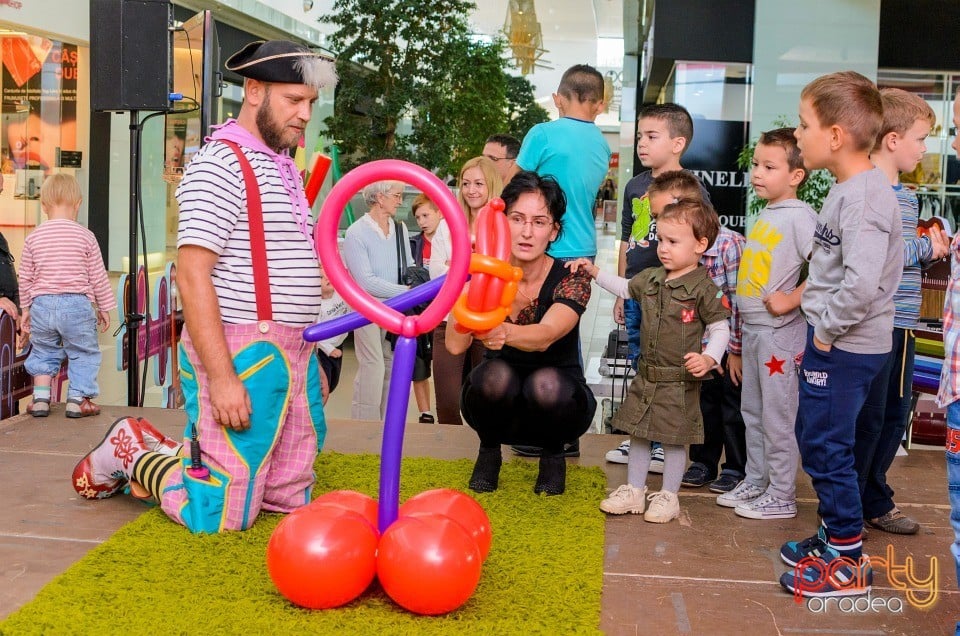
(24, 328)
(494, 339)
(7, 305)
(584, 264)
(698, 364)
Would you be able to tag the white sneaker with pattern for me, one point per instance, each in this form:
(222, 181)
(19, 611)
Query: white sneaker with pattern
(743, 493)
(767, 507)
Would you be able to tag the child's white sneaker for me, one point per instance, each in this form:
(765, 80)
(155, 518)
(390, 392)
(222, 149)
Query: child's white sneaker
(625, 499)
(620, 454)
(743, 493)
(767, 507)
(664, 506)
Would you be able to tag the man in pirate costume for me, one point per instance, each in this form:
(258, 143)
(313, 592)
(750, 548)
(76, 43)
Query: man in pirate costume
(249, 279)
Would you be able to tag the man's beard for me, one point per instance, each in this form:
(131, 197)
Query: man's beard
(271, 133)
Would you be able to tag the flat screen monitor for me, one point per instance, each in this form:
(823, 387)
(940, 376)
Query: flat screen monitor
(196, 53)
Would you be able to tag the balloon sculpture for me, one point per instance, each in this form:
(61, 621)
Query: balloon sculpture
(428, 561)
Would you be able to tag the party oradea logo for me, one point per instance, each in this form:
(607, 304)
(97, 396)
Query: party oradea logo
(917, 591)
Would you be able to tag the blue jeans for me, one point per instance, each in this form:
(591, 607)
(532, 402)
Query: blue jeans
(631, 318)
(65, 326)
(833, 388)
(881, 425)
(953, 480)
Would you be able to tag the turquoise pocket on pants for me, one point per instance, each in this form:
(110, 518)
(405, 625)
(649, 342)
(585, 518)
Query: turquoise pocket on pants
(203, 510)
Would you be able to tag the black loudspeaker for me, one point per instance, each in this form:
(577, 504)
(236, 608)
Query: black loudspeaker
(130, 44)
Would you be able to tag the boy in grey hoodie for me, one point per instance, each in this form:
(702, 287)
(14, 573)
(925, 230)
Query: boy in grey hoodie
(855, 268)
(774, 332)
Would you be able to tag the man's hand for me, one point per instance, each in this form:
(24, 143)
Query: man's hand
(618, 315)
(230, 403)
(735, 368)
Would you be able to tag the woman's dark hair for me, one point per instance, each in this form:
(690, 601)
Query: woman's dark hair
(527, 181)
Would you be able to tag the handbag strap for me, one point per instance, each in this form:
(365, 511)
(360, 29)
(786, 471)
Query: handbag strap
(258, 242)
(401, 252)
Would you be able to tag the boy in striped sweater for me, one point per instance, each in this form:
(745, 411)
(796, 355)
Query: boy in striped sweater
(907, 121)
(62, 278)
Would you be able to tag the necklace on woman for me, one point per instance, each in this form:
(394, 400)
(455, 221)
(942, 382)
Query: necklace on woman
(530, 300)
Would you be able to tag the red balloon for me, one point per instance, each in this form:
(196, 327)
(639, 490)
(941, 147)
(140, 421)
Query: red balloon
(351, 500)
(460, 507)
(322, 557)
(428, 564)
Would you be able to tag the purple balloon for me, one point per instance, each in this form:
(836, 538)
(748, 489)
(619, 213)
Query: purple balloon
(393, 426)
(353, 320)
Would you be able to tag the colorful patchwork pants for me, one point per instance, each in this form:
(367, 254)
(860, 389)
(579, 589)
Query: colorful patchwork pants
(269, 466)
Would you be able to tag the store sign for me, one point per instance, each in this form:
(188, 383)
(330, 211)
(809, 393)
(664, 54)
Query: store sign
(39, 102)
(713, 158)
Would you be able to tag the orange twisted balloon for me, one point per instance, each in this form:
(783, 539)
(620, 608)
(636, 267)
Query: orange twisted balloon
(493, 283)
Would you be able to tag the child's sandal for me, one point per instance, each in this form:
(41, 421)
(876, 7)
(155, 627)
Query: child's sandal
(81, 408)
(40, 407)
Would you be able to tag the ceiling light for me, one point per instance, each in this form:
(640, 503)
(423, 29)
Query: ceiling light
(524, 35)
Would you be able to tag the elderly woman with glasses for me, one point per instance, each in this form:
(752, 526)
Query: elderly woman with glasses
(376, 259)
(479, 182)
(530, 387)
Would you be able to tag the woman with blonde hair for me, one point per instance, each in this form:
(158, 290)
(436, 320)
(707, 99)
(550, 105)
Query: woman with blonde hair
(479, 182)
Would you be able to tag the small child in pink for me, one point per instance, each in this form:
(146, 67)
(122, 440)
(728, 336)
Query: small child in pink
(62, 277)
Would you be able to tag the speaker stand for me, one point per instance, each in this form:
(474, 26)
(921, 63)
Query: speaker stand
(133, 317)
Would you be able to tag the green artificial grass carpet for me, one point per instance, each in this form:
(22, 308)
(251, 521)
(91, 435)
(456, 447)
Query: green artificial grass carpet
(543, 574)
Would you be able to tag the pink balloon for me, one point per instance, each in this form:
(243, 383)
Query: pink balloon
(325, 236)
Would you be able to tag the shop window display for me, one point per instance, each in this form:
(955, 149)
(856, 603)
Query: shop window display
(937, 177)
(38, 125)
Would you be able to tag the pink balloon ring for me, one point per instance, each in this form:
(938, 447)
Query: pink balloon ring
(325, 239)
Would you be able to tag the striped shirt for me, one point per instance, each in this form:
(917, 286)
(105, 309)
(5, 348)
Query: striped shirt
(63, 257)
(371, 256)
(213, 215)
(722, 262)
(950, 374)
(917, 253)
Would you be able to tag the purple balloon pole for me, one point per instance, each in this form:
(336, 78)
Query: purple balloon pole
(394, 424)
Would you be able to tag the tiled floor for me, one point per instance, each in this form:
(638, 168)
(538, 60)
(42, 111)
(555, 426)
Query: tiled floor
(710, 572)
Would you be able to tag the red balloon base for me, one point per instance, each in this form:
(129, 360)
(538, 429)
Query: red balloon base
(327, 553)
(428, 564)
(322, 558)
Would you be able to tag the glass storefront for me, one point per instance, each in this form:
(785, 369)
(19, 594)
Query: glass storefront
(937, 177)
(718, 97)
(43, 124)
